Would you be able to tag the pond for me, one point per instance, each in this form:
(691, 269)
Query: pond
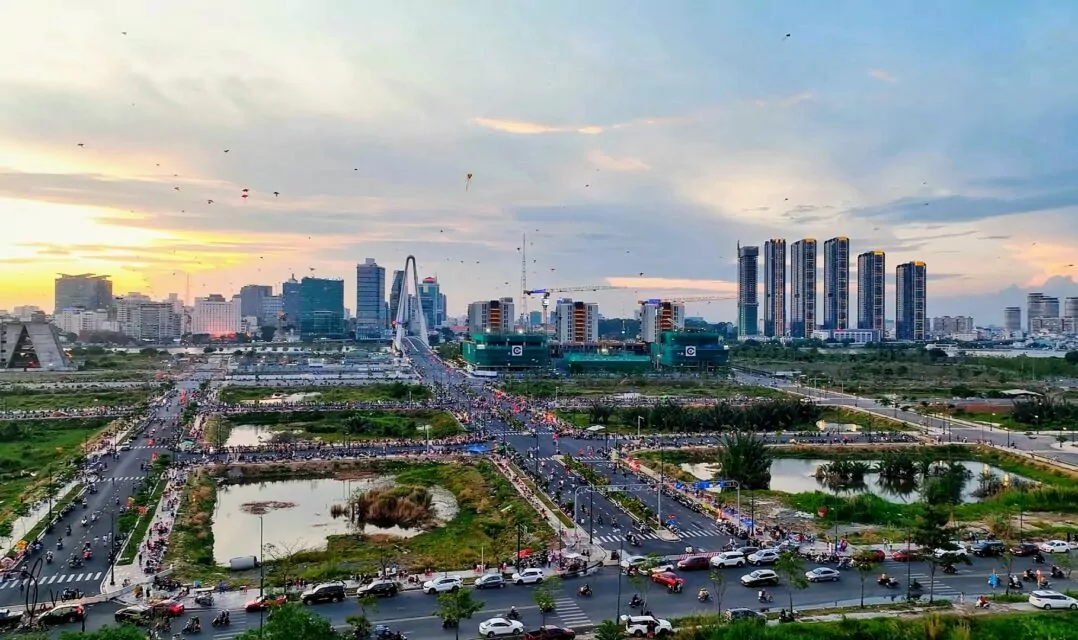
(249, 435)
(795, 475)
(296, 514)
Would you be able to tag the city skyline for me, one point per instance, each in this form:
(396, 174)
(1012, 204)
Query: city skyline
(632, 150)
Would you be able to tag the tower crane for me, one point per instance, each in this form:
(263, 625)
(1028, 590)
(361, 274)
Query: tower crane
(546, 295)
(664, 319)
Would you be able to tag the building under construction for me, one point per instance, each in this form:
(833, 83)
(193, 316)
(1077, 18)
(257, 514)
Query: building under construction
(690, 350)
(506, 351)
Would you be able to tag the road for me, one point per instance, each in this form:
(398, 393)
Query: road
(115, 483)
(948, 430)
(411, 612)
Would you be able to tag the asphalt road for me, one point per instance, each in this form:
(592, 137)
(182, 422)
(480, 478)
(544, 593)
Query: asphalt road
(117, 481)
(412, 612)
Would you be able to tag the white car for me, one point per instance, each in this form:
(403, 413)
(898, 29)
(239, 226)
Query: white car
(822, 574)
(632, 561)
(640, 626)
(959, 550)
(1052, 600)
(1054, 546)
(500, 627)
(728, 559)
(528, 576)
(663, 567)
(442, 585)
(764, 556)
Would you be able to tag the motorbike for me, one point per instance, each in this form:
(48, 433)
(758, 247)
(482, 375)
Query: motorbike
(915, 586)
(786, 616)
(449, 623)
(192, 627)
(635, 602)
(48, 558)
(1014, 583)
(703, 596)
(221, 620)
(513, 614)
(204, 599)
(584, 592)
(1056, 573)
(949, 569)
(982, 604)
(765, 598)
(68, 530)
(890, 583)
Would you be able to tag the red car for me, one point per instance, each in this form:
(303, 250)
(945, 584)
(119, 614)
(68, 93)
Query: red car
(265, 602)
(168, 608)
(905, 556)
(667, 579)
(695, 562)
(875, 555)
(550, 632)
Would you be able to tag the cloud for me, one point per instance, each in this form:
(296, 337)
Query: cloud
(674, 284)
(882, 75)
(627, 164)
(959, 208)
(520, 127)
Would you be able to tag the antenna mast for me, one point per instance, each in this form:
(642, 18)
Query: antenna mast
(524, 281)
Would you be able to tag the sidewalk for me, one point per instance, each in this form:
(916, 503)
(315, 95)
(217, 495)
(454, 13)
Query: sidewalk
(130, 575)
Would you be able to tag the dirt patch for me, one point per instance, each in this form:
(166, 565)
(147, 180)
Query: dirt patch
(259, 508)
(355, 474)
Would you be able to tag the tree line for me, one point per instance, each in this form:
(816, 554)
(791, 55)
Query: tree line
(762, 415)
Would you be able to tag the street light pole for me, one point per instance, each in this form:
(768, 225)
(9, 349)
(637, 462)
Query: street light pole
(112, 548)
(261, 574)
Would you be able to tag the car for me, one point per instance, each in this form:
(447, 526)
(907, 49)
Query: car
(728, 559)
(9, 618)
(641, 626)
(632, 561)
(171, 608)
(139, 614)
(442, 585)
(500, 627)
(490, 581)
(62, 613)
(822, 574)
(747, 551)
(263, 603)
(743, 613)
(379, 588)
(872, 555)
(325, 592)
(959, 550)
(905, 556)
(764, 556)
(1023, 549)
(989, 549)
(550, 632)
(1052, 600)
(667, 579)
(694, 562)
(662, 567)
(760, 578)
(528, 576)
(1054, 546)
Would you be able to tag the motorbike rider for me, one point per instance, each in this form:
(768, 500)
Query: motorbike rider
(59, 543)
(702, 594)
(193, 624)
(635, 601)
(513, 613)
(762, 595)
(48, 556)
(68, 530)
(982, 602)
(585, 590)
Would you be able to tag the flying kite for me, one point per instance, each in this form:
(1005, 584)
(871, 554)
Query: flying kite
(276, 193)
(467, 182)
(244, 195)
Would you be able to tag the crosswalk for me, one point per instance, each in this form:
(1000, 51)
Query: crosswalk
(123, 479)
(56, 578)
(687, 533)
(938, 588)
(570, 613)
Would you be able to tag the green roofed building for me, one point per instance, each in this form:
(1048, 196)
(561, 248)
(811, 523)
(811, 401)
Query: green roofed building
(689, 350)
(578, 362)
(506, 351)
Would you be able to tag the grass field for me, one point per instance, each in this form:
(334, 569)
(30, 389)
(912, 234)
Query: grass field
(70, 399)
(335, 426)
(681, 387)
(364, 393)
(623, 423)
(31, 451)
(484, 529)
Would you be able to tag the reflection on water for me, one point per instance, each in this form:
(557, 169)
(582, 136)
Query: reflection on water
(794, 475)
(247, 435)
(307, 523)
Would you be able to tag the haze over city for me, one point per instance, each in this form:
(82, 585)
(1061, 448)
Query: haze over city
(634, 143)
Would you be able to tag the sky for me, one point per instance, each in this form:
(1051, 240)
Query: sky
(633, 143)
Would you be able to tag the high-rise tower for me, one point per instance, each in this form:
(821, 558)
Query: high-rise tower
(836, 283)
(371, 295)
(803, 288)
(910, 301)
(748, 295)
(871, 281)
(775, 287)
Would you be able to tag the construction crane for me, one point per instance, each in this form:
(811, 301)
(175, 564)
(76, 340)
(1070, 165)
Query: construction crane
(664, 319)
(546, 295)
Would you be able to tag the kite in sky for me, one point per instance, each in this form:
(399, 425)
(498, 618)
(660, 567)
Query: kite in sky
(467, 181)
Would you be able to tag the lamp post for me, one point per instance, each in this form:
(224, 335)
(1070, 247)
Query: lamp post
(261, 574)
(621, 554)
(112, 548)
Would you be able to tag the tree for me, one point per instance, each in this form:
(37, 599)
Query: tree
(284, 558)
(290, 622)
(792, 568)
(125, 632)
(932, 533)
(745, 458)
(360, 626)
(865, 563)
(609, 630)
(718, 584)
(1071, 357)
(642, 579)
(454, 606)
(544, 596)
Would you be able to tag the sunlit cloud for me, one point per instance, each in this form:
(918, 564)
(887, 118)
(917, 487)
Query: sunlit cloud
(882, 75)
(627, 164)
(680, 285)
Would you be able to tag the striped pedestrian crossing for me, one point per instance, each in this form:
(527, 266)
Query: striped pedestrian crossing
(56, 578)
(570, 613)
(689, 533)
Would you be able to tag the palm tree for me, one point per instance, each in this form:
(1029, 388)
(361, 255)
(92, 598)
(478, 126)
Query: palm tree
(745, 458)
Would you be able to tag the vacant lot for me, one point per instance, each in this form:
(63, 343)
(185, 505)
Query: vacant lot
(364, 393)
(19, 400)
(31, 451)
